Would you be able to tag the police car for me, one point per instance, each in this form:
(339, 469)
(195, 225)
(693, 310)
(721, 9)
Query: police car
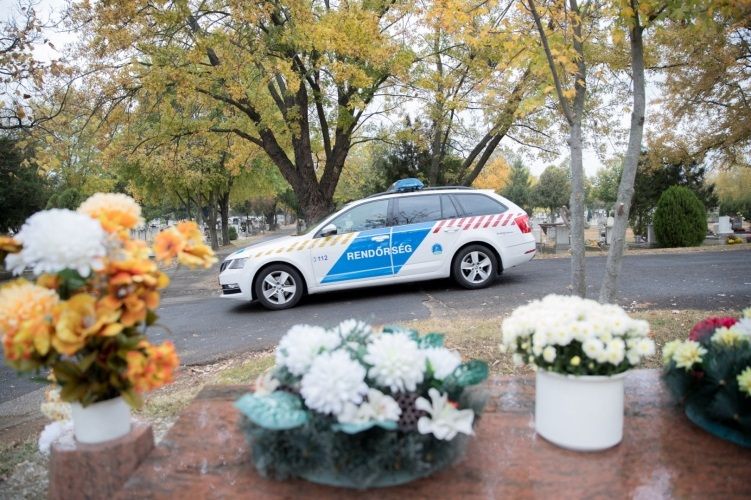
(405, 234)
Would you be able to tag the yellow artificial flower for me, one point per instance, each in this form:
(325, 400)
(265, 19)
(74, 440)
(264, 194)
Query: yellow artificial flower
(668, 350)
(184, 243)
(26, 316)
(688, 353)
(82, 317)
(575, 361)
(151, 367)
(744, 381)
(728, 336)
(116, 212)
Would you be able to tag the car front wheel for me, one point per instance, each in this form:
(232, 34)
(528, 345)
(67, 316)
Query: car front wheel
(279, 286)
(475, 267)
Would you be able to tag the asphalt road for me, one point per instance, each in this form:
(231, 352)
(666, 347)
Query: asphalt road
(209, 328)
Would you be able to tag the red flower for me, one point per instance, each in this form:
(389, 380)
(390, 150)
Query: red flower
(706, 327)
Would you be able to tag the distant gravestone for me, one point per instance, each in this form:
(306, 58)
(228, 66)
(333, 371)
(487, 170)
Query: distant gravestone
(723, 225)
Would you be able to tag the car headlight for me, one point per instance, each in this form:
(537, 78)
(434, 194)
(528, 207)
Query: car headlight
(238, 263)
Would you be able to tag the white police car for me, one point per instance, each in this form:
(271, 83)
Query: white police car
(405, 234)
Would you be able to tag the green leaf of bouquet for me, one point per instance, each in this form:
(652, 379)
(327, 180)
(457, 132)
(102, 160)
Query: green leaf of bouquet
(469, 373)
(66, 371)
(133, 399)
(431, 340)
(413, 334)
(351, 428)
(151, 317)
(87, 361)
(71, 280)
(278, 411)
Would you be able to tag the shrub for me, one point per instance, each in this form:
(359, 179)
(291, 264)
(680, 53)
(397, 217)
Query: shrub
(232, 233)
(680, 219)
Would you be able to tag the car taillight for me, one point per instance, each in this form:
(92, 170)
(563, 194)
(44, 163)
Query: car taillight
(523, 222)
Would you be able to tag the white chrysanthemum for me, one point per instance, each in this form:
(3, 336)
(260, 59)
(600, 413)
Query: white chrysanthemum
(302, 343)
(548, 354)
(333, 380)
(442, 361)
(593, 348)
(744, 326)
(57, 239)
(615, 351)
(350, 326)
(396, 362)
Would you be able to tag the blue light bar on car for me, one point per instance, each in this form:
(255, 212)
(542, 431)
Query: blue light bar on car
(405, 185)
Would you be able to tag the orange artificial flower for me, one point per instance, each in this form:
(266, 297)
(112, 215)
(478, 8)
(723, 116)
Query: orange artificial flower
(132, 284)
(9, 245)
(168, 244)
(151, 367)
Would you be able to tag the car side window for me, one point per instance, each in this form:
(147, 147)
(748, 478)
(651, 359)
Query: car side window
(371, 215)
(414, 209)
(448, 210)
(479, 204)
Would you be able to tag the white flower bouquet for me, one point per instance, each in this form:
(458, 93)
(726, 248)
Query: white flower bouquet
(576, 336)
(357, 408)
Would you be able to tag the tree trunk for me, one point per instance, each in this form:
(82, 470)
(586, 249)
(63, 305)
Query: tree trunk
(212, 221)
(224, 215)
(578, 267)
(626, 187)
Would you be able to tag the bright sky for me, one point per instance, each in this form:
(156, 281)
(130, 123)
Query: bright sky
(49, 10)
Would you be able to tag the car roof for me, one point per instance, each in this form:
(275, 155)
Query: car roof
(423, 190)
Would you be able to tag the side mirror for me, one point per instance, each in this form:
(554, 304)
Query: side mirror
(328, 230)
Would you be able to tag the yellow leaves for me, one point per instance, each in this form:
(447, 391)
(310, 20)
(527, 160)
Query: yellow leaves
(494, 175)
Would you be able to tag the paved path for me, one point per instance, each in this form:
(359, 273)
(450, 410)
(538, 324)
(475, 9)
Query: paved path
(206, 328)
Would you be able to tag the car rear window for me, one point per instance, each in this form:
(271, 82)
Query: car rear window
(479, 204)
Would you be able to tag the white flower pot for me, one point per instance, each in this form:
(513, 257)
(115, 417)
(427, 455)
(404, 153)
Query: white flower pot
(579, 413)
(102, 421)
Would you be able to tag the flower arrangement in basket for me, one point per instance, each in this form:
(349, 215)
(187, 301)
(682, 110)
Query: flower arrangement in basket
(356, 408)
(85, 316)
(710, 373)
(580, 350)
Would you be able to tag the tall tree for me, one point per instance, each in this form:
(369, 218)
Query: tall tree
(475, 75)
(563, 41)
(23, 190)
(23, 74)
(300, 75)
(553, 190)
(519, 187)
(701, 53)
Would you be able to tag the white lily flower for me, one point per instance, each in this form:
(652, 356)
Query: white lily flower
(445, 421)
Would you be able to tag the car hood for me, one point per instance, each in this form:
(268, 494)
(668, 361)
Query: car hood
(262, 246)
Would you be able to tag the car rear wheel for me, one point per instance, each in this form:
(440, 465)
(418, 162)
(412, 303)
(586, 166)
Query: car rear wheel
(279, 286)
(475, 267)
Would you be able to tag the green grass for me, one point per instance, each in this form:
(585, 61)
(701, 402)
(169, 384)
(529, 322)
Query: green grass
(14, 454)
(247, 371)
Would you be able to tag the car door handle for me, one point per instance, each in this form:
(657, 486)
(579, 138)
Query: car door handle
(451, 230)
(380, 238)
